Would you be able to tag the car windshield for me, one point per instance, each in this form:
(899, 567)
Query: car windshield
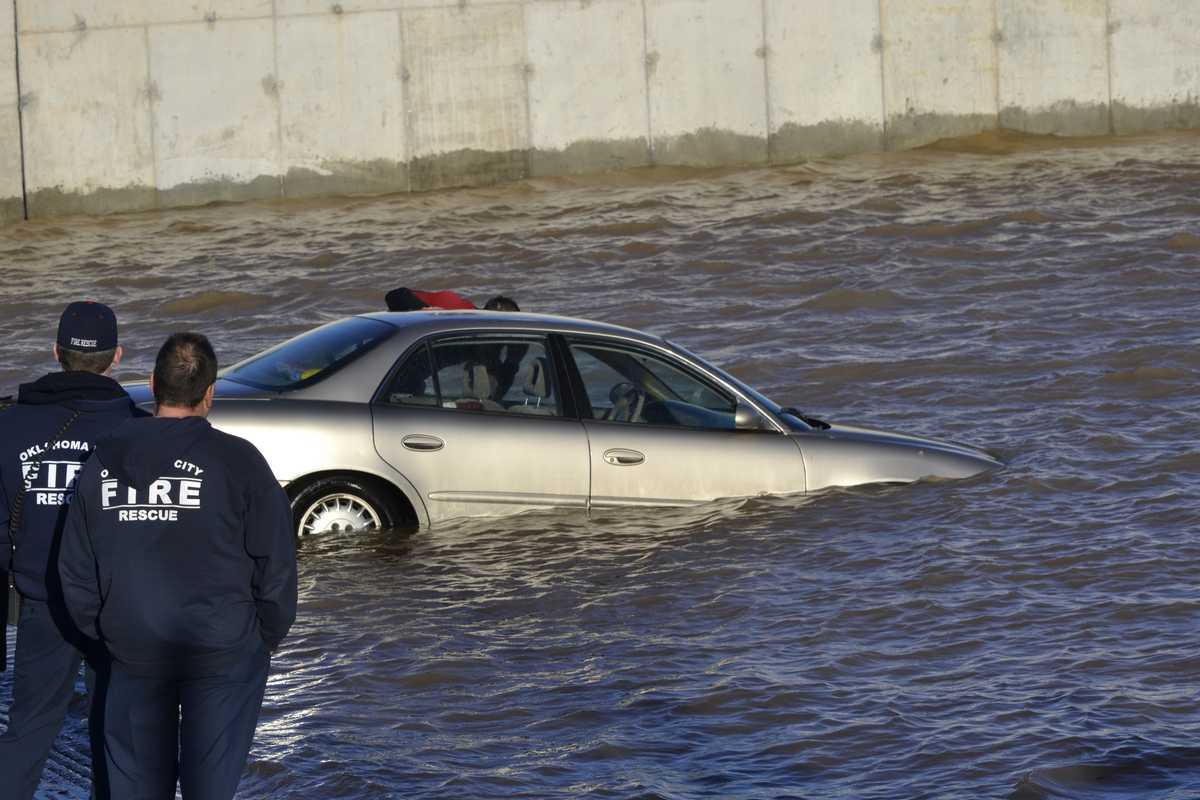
(312, 356)
(785, 415)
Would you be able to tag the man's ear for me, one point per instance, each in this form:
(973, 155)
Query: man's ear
(54, 349)
(116, 360)
(152, 384)
(207, 402)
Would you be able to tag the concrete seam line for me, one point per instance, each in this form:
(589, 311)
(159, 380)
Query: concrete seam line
(20, 111)
(996, 39)
(646, 76)
(151, 114)
(883, 106)
(766, 59)
(166, 23)
(1108, 49)
(278, 98)
(526, 80)
(408, 146)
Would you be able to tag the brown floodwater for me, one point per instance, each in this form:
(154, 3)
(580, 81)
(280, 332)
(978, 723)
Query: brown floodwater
(1030, 633)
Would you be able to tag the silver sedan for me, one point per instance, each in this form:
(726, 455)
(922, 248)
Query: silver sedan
(401, 419)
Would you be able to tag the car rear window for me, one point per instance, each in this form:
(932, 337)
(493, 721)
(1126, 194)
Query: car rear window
(312, 356)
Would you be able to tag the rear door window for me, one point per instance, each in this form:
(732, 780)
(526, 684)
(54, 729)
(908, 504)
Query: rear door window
(508, 374)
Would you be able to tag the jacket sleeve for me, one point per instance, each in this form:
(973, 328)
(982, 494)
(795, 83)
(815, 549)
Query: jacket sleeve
(5, 540)
(5, 566)
(271, 542)
(77, 561)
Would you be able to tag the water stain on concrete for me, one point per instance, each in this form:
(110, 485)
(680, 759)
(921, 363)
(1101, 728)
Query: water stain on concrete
(468, 167)
(591, 155)
(710, 147)
(705, 148)
(59, 203)
(913, 129)
(11, 209)
(1067, 118)
(220, 191)
(792, 142)
(1183, 113)
(347, 177)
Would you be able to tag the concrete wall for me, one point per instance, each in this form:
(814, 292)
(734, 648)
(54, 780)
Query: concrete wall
(824, 78)
(154, 103)
(1155, 64)
(1065, 39)
(11, 204)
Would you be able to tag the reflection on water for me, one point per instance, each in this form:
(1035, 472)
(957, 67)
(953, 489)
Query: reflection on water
(1028, 633)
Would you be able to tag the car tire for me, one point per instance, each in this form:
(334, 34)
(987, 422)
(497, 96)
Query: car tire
(343, 503)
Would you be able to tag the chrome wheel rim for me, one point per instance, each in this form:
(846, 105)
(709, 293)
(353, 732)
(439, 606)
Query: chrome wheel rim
(336, 513)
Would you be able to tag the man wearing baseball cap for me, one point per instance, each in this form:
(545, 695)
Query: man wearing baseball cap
(44, 440)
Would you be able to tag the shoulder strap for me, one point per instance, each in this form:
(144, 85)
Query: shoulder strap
(18, 503)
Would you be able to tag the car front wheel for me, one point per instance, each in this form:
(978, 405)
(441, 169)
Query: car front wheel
(341, 504)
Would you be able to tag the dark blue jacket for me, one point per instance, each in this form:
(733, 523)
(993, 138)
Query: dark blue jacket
(42, 408)
(178, 551)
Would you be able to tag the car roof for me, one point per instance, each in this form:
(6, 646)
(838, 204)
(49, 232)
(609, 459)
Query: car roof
(413, 326)
(422, 323)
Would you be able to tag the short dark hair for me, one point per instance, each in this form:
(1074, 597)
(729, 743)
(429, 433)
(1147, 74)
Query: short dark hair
(184, 369)
(501, 303)
(403, 299)
(79, 361)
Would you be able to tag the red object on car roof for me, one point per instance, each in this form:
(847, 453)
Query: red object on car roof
(405, 299)
(444, 299)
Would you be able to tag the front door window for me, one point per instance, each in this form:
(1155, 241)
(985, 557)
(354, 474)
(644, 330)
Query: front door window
(633, 386)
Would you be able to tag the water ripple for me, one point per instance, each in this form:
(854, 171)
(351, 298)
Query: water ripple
(1025, 634)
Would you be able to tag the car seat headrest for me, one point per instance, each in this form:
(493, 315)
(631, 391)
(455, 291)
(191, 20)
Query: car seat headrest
(476, 381)
(536, 384)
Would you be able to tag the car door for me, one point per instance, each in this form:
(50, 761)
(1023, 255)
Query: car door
(477, 424)
(661, 432)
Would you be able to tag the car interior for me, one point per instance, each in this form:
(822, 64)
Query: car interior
(513, 374)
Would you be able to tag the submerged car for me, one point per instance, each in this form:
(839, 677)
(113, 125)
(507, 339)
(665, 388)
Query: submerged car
(401, 419)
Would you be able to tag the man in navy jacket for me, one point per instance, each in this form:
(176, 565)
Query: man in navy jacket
(44, 441)
(179, 555)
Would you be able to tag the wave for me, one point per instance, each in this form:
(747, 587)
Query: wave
(716, 267)
(322, 260)
(188, 227)
(952, 253)
(1030, 216)
(881, 205)
(37, 232)
(933, 230)
(211, 301)
(1169, 776)
(611, 229)
(129, 277)
(838, 300)
(1143, 374)
(1184, 242)
(643, 248)
(797, 216)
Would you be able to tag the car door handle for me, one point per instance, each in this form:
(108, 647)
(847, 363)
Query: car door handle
(422, 443)
(619, 457)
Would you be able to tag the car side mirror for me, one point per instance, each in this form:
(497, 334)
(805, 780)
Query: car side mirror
(745, 418)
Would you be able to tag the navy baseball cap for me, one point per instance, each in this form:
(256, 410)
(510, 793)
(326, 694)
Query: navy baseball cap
(87, 327)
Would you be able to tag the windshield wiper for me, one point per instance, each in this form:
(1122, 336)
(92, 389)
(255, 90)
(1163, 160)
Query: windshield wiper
(811, 422)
